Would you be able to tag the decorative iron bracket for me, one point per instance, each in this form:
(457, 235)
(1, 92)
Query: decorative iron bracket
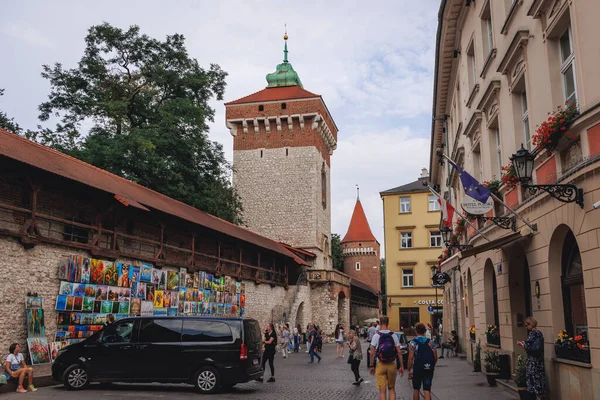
(502, 222)
(459, 247)
(566, 193)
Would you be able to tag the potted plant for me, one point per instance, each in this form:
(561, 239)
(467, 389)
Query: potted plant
(472, 333)
(477, 360)
(572, 348)
(492, 366)
(550, 132)
(509, 176)
(520, 378)
(493, 186)
(493, 335)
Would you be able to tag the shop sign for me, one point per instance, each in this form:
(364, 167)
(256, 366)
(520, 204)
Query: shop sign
(475, 207)
(428, 302)
(440, 279)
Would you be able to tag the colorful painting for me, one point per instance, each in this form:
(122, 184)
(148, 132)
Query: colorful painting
(123, 307)
(160, 311)
(155, 276)
(182, 272)
(172, 312)
(159, 297)
(61, 303)
(196, 278)
(242, 300)
(101, 292)
(201, 278)
(208, 282)
(96, 271)
(88, 304)
(215, 283)
(97, 306)
(141, 291)
(200, 295)
(55, 347)
(90, 290)
(167, 300)
(79, 265)
(124, 293)
(182, 294)
(69, 305)
(79, 290)
(106, 307)
(111, 276)
(146, 273)
(162, 283)
(242, 287)
(189, 294)
(206, 308)
(232, 286)
(115, 307)
(35, 322)
(135, 307)
(174, 299)
(219, 297)
(227, 309)
(77, 303)
(150, 293)
(71, 269)
(113, 294)
(172, 280)
(63, 268)
(134, 289)
(66, 289)
(222, 284)
(38, 350)
(85, 270)
(194, 307)
(187, 307)
(124, 275)
(238, 287)
(135, 274)
(220, 309)
(147, 308)
(33, 302)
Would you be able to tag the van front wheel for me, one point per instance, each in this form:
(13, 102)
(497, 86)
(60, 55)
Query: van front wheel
(76, 377)
(207, 380)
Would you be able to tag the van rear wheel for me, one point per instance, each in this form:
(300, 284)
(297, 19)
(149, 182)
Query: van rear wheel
(207, 380)
(76, 377)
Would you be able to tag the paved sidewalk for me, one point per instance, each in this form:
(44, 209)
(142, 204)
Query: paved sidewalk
(454, 379)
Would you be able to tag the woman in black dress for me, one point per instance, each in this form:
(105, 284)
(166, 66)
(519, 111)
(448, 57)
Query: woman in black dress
(535, 372)
(270, 342)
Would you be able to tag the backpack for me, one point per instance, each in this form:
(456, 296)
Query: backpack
(319, 339)
(424, 360)
(386, 348)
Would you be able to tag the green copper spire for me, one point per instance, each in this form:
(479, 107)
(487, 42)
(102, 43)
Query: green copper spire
(284, 74)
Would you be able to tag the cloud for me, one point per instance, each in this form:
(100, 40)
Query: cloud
(25, 32)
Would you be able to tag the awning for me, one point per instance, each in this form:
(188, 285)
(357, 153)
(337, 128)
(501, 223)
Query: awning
(494, 244)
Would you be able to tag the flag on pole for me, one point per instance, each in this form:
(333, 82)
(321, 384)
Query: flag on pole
(472, 188)
(447, 212)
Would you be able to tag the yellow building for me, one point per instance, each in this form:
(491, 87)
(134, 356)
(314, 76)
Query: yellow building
(411, 218)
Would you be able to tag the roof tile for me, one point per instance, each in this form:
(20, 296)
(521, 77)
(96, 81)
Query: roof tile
(274, 94)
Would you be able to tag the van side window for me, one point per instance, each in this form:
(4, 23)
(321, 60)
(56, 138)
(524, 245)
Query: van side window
(160, 331)
(206, 331)
(119, 332)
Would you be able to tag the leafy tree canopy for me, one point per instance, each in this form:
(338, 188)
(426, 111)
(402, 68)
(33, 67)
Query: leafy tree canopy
(8, 123)
(138, 107)
(336, 252)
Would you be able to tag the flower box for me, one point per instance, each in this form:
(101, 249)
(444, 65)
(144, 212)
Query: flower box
(493, 338)
(472, 336)
(573, 353)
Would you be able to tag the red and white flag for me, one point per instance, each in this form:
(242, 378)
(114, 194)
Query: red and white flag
(447, 212)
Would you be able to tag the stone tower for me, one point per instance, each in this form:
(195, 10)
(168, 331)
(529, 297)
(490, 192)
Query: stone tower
(283, 138)
(361, 250)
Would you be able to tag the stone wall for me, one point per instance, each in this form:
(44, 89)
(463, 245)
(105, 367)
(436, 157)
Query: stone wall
(369, 272)
(328, 309)
(281, 195)
(260, 301)
(361, 313)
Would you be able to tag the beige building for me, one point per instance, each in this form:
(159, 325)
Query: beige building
(413, 242)
(501, 67)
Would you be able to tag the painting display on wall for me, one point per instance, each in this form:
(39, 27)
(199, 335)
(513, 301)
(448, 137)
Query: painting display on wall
(38, 350)
(35, 322)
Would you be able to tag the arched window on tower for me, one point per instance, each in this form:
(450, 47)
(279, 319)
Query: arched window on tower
(323, 186)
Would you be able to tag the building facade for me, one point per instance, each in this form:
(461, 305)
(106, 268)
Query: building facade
(503, 69)
(413, 242)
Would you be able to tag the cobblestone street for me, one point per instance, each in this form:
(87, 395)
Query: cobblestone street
(297, 379)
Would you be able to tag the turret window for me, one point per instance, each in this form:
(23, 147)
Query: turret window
(261, 108)
(358, 266)
(323, 186)
(283, 106)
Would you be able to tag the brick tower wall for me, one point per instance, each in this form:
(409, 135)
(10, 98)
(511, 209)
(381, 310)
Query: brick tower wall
(277, 174)
(369, 263)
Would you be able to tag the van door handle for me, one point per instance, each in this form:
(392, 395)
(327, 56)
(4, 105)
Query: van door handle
(125, 347)
(142, 346)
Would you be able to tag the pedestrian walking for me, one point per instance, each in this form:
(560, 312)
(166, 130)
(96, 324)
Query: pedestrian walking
(297, 335)
(421, 358)
(270, 342)
(535, 374)
(339, 340)
(429, 332)
(385, 350)
(285, 339)
(307, 336)
(313, 344)
(355, 356)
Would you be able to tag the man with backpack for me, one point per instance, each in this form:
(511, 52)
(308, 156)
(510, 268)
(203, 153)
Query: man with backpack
(422, 357)
(385, 350)
(315, 339)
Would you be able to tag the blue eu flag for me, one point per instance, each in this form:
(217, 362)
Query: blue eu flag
(472, 188)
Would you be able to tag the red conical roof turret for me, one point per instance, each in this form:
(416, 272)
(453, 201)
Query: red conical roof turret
(359, 229)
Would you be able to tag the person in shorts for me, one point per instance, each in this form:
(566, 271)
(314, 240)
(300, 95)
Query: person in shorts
(385, 351)
(421, 358)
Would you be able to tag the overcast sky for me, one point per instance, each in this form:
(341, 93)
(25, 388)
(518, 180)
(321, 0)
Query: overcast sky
(371, 61)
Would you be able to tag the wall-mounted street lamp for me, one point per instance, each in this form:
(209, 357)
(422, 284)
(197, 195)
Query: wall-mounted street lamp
(523, 162)
(447, 235)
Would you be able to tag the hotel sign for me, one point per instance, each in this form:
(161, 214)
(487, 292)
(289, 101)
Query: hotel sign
(474, 207)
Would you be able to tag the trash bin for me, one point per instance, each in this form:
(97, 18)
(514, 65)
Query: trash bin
(504, 363)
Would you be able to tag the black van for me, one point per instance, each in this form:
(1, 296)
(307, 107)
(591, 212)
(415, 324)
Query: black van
(207, 352)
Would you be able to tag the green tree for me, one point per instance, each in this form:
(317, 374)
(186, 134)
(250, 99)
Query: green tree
(144, 104)
(336, 252)
(8, 123)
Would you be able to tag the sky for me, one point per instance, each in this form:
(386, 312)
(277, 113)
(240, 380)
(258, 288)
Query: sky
(372, 63)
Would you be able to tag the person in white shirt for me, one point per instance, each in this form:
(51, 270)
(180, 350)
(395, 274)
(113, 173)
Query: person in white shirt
(15, 368)
(371, 332)
(285, 335)
(339, 340)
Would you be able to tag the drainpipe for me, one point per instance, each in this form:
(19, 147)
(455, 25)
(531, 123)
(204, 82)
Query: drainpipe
(455, 300)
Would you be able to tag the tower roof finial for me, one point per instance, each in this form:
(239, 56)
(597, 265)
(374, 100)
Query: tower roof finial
(357, 193)
(285, 50)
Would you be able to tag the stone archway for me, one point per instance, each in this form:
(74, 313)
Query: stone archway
(301, 317)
